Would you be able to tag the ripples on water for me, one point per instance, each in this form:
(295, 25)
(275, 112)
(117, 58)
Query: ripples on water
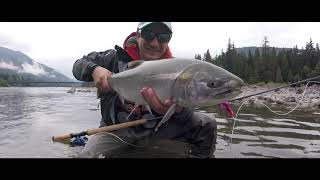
(29, 117)
(259, 133)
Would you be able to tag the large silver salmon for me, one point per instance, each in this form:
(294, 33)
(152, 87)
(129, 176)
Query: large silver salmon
(189, 82)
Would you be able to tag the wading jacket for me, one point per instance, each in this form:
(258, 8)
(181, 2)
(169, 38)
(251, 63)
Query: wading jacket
(115, 60)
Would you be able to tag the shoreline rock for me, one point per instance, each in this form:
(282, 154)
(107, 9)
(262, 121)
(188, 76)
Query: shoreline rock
(287, 97)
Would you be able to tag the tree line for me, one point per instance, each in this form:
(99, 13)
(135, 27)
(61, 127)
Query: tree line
(265, 64)
(7, 76)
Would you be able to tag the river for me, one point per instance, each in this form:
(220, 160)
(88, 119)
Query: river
(30, 116)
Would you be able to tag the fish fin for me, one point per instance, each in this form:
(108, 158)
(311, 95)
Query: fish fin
(148, 109)
(132, 111)
(134, 64)
(167, 116)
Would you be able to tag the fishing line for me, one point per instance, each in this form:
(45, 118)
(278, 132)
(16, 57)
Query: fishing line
(126, 141)
(298, 104)
(120, 139)
(275, 112)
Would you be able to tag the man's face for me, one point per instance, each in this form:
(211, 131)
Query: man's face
(152, 49)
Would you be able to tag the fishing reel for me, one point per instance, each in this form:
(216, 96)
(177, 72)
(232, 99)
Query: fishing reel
(78, 141)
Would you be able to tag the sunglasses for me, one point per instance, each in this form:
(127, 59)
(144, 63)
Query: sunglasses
(149, 36)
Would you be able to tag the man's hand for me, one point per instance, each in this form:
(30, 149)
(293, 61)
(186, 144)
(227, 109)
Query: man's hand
(154, 102)
(100, 76)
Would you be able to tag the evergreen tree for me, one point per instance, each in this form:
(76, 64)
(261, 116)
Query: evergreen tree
(229, 47)
(229, 60)
(305, 72)
(296, 78)
(265, 64)
(290, 76)
(317, 55)
(257, 65)
(317, 48)
(309, 46)
(252, 77)
(316, 71)
(273, 64)
(197, 56)
(317, 68)
(265, 46)
(284, 66)
(309, 54)
(207, 56)
(279, 75)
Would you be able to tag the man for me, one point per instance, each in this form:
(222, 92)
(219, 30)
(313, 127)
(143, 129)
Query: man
(149, 42)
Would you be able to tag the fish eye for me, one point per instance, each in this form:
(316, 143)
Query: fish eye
(211, 84)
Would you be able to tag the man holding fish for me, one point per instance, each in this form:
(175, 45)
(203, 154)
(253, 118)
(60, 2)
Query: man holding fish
(144, 80)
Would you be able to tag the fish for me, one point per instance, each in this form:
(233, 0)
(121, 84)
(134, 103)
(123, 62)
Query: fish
(189, 83)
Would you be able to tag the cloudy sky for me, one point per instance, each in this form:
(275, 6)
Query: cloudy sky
(60, 44)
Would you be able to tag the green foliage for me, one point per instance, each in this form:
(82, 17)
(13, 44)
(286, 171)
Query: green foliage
(3, 83)
(284, 65)
(305, 72)
(296, 78)
(269, 64)
(279, 75)
(290, 76)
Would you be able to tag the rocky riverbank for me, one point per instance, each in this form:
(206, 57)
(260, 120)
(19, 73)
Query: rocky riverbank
(287, 97)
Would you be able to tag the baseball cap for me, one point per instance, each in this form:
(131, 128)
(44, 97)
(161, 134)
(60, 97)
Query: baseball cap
(141, 25)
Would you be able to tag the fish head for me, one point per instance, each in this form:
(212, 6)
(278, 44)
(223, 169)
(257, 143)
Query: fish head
(205, 84)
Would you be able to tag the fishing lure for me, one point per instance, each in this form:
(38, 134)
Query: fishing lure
(226, 106)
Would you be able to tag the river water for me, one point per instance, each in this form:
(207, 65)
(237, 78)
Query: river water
(30, 116)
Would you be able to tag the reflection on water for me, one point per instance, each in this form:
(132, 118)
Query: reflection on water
(29, 117)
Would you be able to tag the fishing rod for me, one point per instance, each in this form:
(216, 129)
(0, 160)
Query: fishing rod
(262, 92)
(89, 132)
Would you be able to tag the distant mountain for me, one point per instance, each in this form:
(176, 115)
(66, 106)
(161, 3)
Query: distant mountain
(252, 49)
(17, 66)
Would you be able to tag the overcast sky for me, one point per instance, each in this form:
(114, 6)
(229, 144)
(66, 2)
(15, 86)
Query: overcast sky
(60, 44)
